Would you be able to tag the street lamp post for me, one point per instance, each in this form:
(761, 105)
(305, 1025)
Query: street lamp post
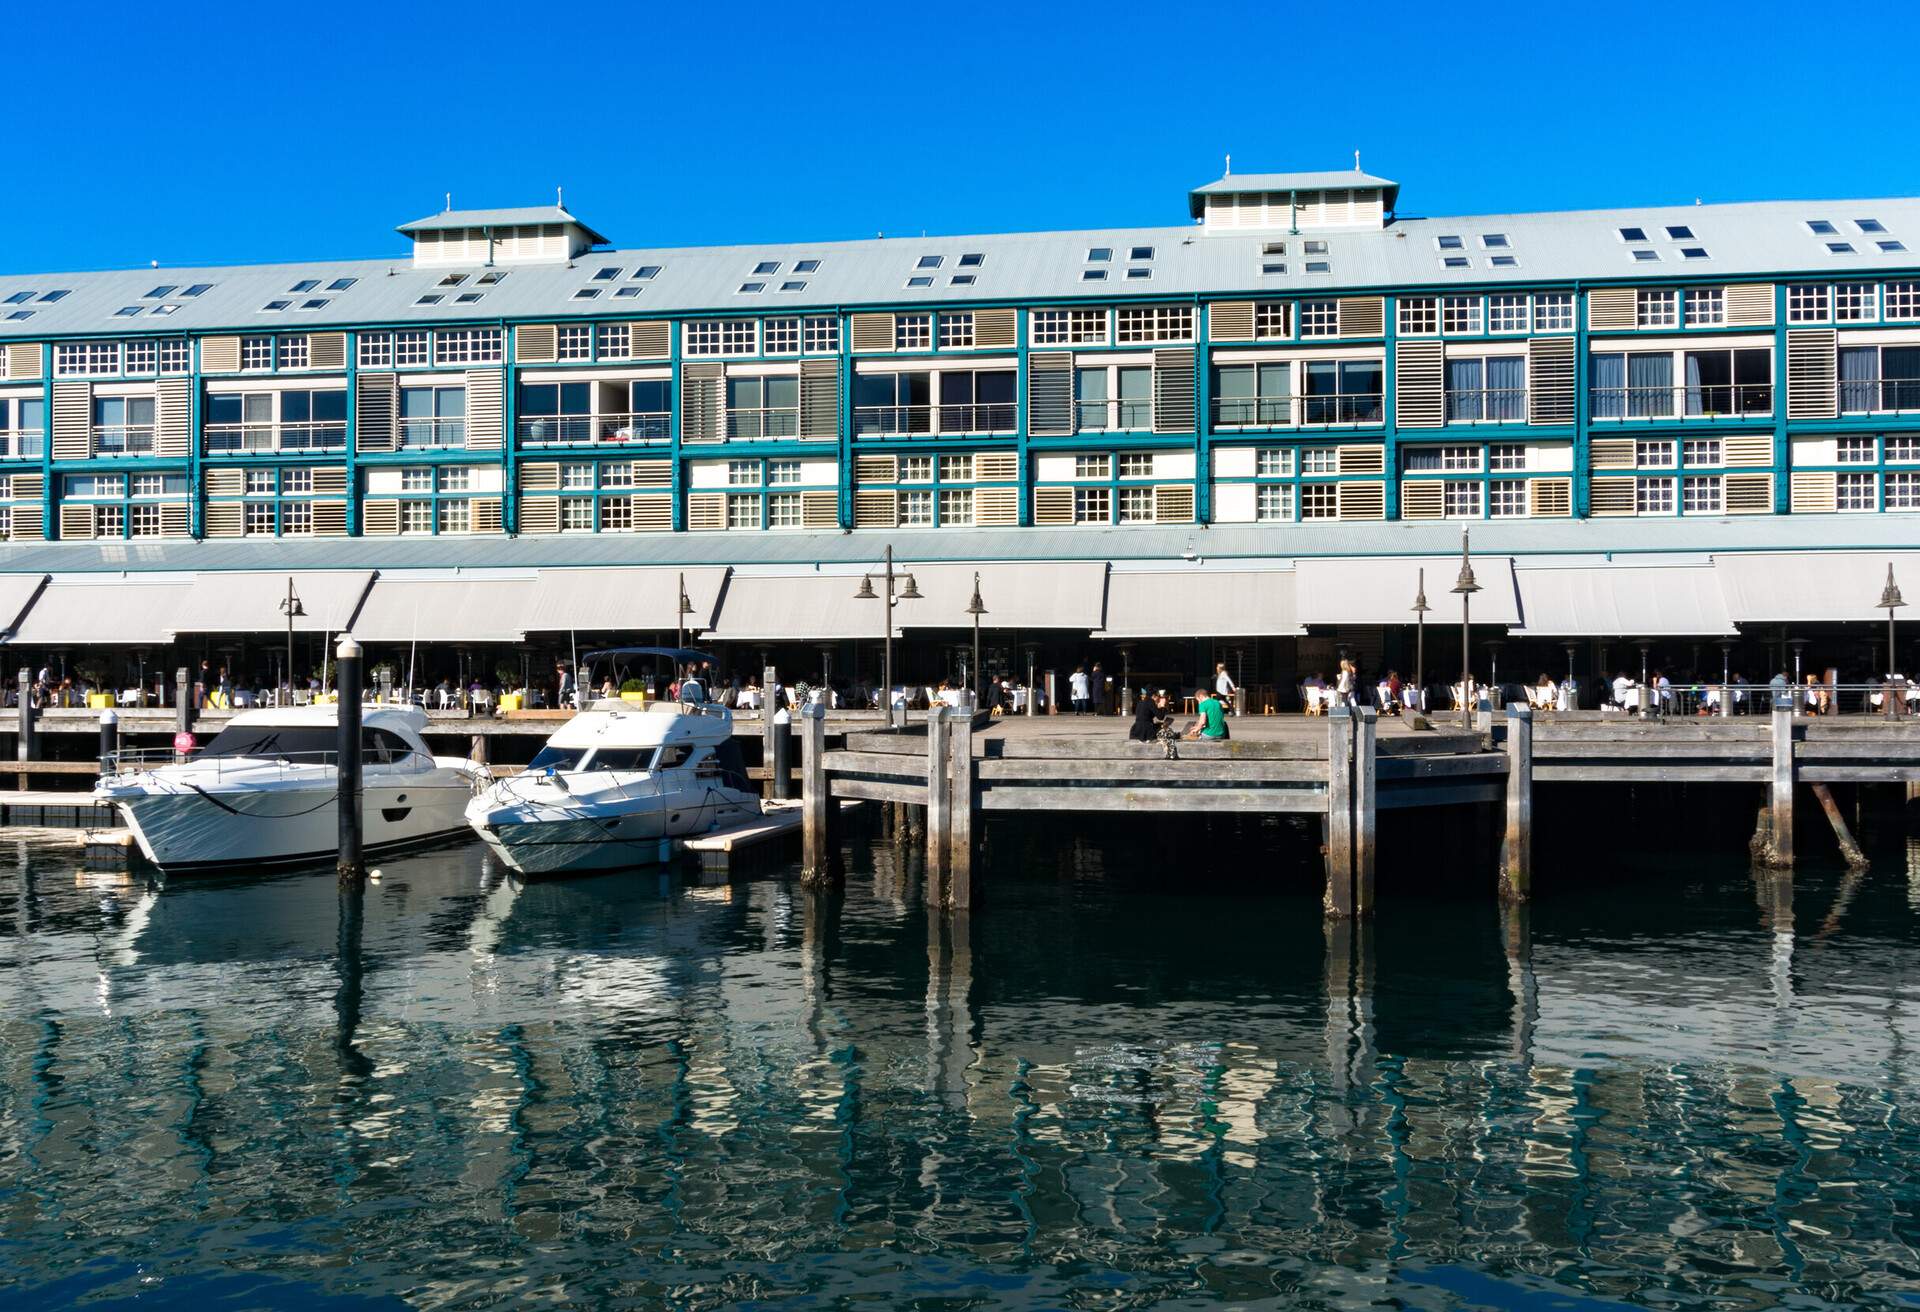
(1420, 609)
(1465, 586)
(1890, 601)
(683, 608)
(290, 607)
(909, 591)
(976, 608)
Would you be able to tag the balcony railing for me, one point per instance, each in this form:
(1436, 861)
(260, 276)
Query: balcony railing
(917, 420)
(123, 439)
(419, 433)
(322, 436)
(1486, 405)
(22, 442)
(1298, 411)
(746, 424)
(1701, 401)
(1105, 416)
(1878, 395)
(578, 430)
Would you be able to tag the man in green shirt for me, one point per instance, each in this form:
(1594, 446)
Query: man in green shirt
(1212, 723)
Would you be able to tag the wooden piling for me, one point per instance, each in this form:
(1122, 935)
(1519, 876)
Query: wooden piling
(1365, 798)
(1516, 845)
(24, 748)
(1849, 849)
(1339, 896)
(961, 788)
(817, 839)
(939, 804)
(1780, 811)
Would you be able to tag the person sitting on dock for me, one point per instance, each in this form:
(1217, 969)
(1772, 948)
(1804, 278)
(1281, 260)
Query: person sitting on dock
(1148, 714)
(1212, 724)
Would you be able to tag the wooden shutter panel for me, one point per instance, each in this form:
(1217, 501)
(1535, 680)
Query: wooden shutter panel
(1750, 305)
(76, 522)
(1422, 499)
(995, 328)
(1173, 504)
(706, 510)
(653, 514)
(379, 518)
(1363, 316)
(23, 360)
(1611, 496)
(650, 339)
(996, 507)
(539, 514)
(1550, 497)
(1748, 449)
(1173, 390)
(485, 408)
(995, 466)
(27, 487)
(876, 509)
(220, 355)
(541, 476)
(1610, 453)
(819, 510)
(1612, 308)
(330, 479)
(225, 482)
(701, 419)
(1050, 393)
(484, 515)
(1230, 321)
(819, 398)
(876, 469)
(1814, 492)
(1813, 390)
(27, 523)
(1748, 494)
(329, 519)
(1369, 458)
(176, 519)
(1363, 501)
(536, 343)
(872, 332)
(326, 350)
(1051, 505)
(72, 425)
(1551, 397)
(1419, 384)
(173, 417)
(653, 473)
(376, 409)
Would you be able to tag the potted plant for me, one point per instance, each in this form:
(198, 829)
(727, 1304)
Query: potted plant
(634, 691)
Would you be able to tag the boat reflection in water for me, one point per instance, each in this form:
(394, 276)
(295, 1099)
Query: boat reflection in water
(1091, 1091)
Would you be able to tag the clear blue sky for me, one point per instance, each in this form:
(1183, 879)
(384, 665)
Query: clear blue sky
(208, 134)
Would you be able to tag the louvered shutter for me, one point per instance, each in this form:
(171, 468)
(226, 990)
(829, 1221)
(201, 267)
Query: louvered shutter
(28, 487)
(1363, 316)
(1422, 499)
(820, 510)
(1747, 450)
(539, 514)
(27, 523)
(1419, 384)
(819, 398)
(1748, 494)
(1612, 308)
(1230, 321)
(876, 469)
(706, 511)
(72, 425)
(219, 355)
(653, 473)
(379, 518)
(225, 519)
(701, 419)
(872, 332)
(1173, 390)
(485, 408)
(1750, 305)
(876, 509)
(1367, 458)
(173, 417)
(1611, 496)
(1050, 393)
(1610, 453)
(995, 328)
(1551, 397)
(652, 514)
(996, 507)
(1362, 501)
(330, 479)
(542, 476)
(995, 466)
(1173, 504)
(329, 519)
(23, 360)
(650, 339)
(536, 343)
(1814, 492)
(376, 409)
(225, 482)
(484, 515)
(76, 522)
(1812, 387)
(1051, 506)
(1550, 497)
(326, 350)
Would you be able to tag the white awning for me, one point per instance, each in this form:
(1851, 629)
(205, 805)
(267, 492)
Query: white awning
(1372, 591)
(443, 608)
(622, 599)
(252, 602)
(1200, 603)
(1811, 586)
(108, 609)
(17, 592)
(1035, 595)
(1622, 601)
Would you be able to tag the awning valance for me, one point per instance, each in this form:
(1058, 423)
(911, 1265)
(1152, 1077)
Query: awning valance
(1622, 601)
(252, 602)
(441, 608)
(622, 600)
(1200, 603)
(1375, 591)
(105, 610)
(1807, 587)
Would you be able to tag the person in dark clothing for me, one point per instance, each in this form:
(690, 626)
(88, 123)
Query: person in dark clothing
(1148, 714)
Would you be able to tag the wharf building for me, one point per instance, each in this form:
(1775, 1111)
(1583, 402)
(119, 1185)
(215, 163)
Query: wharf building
(1240, 435)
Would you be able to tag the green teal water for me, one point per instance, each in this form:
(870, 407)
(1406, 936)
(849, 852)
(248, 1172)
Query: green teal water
(1139, 1074)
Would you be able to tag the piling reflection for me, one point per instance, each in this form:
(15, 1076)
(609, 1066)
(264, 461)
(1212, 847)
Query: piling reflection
(1098, 1087)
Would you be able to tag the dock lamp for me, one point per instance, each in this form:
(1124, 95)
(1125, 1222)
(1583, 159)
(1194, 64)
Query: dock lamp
(1420, 609)
(684, 609)
(976, 608)
(909, 591)
(290, 607)
(1464, 587)
(1890, 601)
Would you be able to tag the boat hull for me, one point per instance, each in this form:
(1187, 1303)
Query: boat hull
(538, 840)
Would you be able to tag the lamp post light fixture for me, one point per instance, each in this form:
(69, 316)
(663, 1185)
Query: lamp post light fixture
(1465, 586)
(909, 591)
(290, 607)
(976, 608)
(683, 609)
(1420, 609)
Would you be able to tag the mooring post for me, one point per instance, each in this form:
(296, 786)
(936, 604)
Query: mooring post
(1365, 793)
(817, 838)
(1516, 846)
(1849, 850)
(939, 803)
(182, 708)
(1339, 898)
(1780, 819)
(109, 740)
(960, 783)
(780, 763)
(351, 866)
(23, 750)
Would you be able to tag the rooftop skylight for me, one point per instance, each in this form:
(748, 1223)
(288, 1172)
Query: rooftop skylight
(1821, 228)
(1633, 234)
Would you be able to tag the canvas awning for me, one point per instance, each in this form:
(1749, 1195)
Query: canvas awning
(1622, 601)
(252, 602)
(105, 609)
(1200, 603)
(1374, 591)
(626, 600)
(466, 607)
(1023, 595)
(1808, 587)
(17, 592)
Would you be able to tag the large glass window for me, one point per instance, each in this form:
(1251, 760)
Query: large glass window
(1253, 393)
(1879, 378)
(556, 412)
(1343, 392)
(763, 407)
(1738, 382)
(433, 416)
(893, 403)
(1492, 388)
(979, 401)
(123, 425)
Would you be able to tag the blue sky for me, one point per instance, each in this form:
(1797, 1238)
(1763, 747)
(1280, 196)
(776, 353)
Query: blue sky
(282, 132)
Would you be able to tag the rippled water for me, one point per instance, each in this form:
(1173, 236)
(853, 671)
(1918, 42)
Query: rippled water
(1141, 1073)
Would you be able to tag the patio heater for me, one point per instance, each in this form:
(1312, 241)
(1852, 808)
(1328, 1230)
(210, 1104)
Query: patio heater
(976, 608)
(1573, 701)
(1726, 675)
(1890, 601)
(1420, 609)
(290, 607)
(1464, 587)
(909, 592)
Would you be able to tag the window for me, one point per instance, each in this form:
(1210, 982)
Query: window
(433, 416)
(1694, 253)
(1319, 319)
(1655, 308)
(1273, 503)
(293, 353)
(1319, 501)
(782, 336)
(821, 334)
(783, 510)
(929, 261)
(416, 516)
(1507, 314)
(455, 516)
(767, 266)
(1507, 456)
(1461, 499)
(1449, 459)
(1645, 256)
(759, 407)
(1092, 505)
(1320, 460)
(296, 518)
(748, 288)
(1679, 232)
(1099, 253)
(1903, 448)
(1136, 464)
(1856, 302)
(259, 483)
(1110, 397)
(1653, 455)
(1903, 300)
(416, 480)
(1069, 327)
(720, 337)
(1889, 247)
(1653, 496)
(1856, 451)
(1856, 492)
(376, 350)
(972, 260)
(956, 330)
(1706, 306)
(1253, 393)
(142, 521)
(781, 472)
(916, 469)
(646, 271)
(574, 342)
(912, 332)
(1456, 262)
(1699, 451)
(1273, 462)
(123, 425)
(1879, 378)
(1903, 492)
(616, 473)
(1140, 252)
(296, 481)
(1342, 391)
(916, 509)
(410, 347)
(743, 511)
(1136, 505)
(1553, 312)
(1091, 467)
(1155, 323)
(1091, 275)
(1809, 303)
(1270, 320)
(1460, 314)
(743, 473)
(1419, 315)
(616, 514)
(1507, 498)
(1699, 494)
(810, 266)
(176, 356)
(140, 356)
(85, 359)
(257, 518)
(1491, 388)
(956, 507)
(1449, 243)
(956, 469)
(576, 514)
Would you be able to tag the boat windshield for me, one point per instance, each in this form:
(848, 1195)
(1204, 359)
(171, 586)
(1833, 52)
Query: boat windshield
(622, 758)
(563, 759)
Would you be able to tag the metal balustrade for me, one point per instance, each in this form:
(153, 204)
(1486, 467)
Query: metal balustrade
(1299, 411)
(321, 436)
(643, 428)
(1696, 401)
(123, 439)
(918, 420)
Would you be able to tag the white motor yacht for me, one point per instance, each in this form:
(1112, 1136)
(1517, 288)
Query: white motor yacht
(615, 780)
(263, 791)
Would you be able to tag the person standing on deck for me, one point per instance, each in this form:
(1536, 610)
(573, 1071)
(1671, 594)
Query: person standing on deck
(1102, 700)
(1223, 685)
(1780, 688)
(1077, 689)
